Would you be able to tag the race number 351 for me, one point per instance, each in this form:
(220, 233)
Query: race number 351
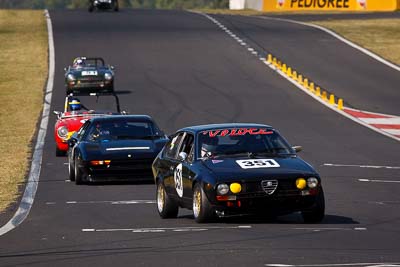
(257, 163)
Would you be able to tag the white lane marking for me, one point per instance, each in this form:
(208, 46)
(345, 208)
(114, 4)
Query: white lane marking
(330, 228)
(378, 181)
(341, 38)
(165, 229)
(368, 264)
(362, 166)
(33, 178)
(128, 148)
(120, 202)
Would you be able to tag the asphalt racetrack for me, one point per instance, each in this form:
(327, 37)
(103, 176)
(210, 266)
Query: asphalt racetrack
(181, 69)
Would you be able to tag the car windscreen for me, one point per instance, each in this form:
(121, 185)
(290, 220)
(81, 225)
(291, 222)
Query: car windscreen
(122, 130)
(241, 141)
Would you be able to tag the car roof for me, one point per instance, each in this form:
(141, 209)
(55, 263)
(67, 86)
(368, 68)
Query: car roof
(138, 118)
(207, 127)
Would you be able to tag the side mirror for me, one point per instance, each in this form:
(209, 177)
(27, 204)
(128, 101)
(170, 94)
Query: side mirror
(112, 67)
(58, 113)
(182, 156)
(65, 69)
(297, 148)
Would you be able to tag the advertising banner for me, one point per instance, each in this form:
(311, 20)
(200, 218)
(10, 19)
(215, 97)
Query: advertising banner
(331, 5)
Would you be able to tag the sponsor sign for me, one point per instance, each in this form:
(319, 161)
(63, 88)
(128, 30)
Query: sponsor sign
(331, 5)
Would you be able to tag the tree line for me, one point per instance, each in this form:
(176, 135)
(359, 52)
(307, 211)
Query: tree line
(71, 4)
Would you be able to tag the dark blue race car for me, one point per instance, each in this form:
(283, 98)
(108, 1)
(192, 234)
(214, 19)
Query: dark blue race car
(230, 169)
(118, 147)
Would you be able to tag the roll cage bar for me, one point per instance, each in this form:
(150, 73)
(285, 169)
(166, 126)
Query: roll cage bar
(97, 95)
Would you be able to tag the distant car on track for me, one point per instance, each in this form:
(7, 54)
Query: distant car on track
(114, 148)
(89, 75)
(231, 169)
(71, 119)
(103, 5)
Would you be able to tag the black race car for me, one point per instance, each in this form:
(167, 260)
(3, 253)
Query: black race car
(89, 75)
(117, 147)
(231, 169)
(103, 5)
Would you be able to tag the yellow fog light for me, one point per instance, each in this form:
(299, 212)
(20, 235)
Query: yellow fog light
(235, 188)
(301, 183)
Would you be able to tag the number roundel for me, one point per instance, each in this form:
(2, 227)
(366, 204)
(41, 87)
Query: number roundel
(178, 180)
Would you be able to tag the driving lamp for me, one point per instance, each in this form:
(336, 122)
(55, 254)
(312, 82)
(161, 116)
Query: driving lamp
(301, 183)
(235, 188)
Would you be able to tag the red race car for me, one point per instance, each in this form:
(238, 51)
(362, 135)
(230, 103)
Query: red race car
(69, 121)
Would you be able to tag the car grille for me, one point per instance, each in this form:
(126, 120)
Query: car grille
(269, 186)
(91, 80)
(277, 188)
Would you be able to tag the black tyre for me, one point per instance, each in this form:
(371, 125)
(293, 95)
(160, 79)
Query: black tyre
(78, 173)
(71, 171)
(167, 207)
(116, 6)
(317, 213)
(59, 152)
(202, 210)
(91, 8)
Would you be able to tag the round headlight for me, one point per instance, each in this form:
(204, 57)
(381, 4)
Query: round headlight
(71, 77)
(223, 189)
(108, 76)
(62, 131)
(312, 182)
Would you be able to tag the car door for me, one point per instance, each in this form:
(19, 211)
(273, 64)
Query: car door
(184, 165)
(168, 164)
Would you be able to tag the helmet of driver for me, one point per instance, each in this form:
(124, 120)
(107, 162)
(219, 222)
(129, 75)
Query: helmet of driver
(74, 104)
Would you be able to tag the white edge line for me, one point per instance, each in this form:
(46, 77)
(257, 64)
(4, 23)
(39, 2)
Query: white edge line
(34, 173)
(341, 38)
(332, 107)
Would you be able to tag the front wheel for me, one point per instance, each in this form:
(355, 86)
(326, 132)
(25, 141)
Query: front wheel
(71, 172)
(167, 207)
(317, 213)
(77, 173)
(202, 210)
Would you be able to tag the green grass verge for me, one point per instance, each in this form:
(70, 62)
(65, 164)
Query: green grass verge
(23, 68)
(380, 36)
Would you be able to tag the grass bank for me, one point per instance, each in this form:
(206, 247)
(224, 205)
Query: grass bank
(23, 68)
(380, 36)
